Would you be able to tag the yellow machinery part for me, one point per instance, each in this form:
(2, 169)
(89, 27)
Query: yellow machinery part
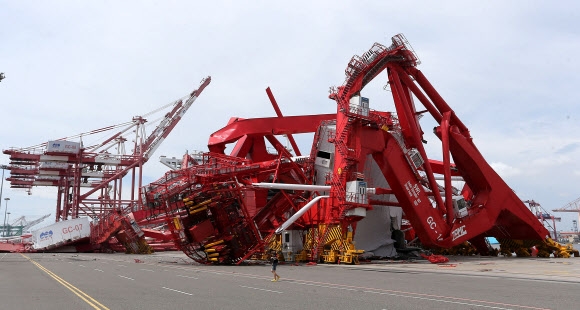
(201, 204)
(144, 247)
(520, 247)
(557, 249)
(351, 254)
(274, 243)
(177, 223)
(545, 248)
(209, 245)
(303, 256)
(197, 210)
(330, 256)
(335, 247)
(340, 248)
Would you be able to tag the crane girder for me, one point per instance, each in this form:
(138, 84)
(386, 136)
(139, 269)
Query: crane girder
(170, 120)
(285, 125)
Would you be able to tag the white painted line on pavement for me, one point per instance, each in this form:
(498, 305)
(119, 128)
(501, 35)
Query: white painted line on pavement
(330, 286)
(464, 301)
(438, 300)
(147, 270)
(98, 270)
(187, 277)
(261, 289)
(177, 291)
(126, 277)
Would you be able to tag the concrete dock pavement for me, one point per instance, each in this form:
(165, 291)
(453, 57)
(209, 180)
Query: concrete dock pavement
(170, 280)
(560, 269)
(557, 269)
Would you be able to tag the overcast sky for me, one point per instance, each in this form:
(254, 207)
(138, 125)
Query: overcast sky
(509, 69)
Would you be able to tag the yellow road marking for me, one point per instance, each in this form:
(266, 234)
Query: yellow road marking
(82, 295)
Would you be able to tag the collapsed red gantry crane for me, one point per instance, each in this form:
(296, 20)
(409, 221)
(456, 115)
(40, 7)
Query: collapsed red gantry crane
(225, 208)
(89, 179)
(493, 209)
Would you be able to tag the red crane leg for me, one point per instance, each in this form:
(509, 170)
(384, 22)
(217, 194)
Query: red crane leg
(411, 195)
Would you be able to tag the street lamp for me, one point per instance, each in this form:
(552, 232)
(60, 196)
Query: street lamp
(5, 212)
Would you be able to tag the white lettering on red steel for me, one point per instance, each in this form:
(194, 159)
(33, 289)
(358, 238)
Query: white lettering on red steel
(408, 187)
(417, 202)
(433, 226)
(458, 232)
(413, 191)
(416, 190)
(431, 222)
(70, 229)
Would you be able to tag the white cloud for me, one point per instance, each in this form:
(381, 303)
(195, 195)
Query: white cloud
(505, 170)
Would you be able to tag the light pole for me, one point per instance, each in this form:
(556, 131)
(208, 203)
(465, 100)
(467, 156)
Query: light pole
(5, 212)
(3, 167)
(8, 221)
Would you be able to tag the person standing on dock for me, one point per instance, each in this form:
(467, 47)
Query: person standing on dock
(274, 262)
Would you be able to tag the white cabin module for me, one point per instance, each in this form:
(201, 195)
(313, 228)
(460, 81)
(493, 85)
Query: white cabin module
(356, 191)
(359, 105)
(459, 206)
(291, 244)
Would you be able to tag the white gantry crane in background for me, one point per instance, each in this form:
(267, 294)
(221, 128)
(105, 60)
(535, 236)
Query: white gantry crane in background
(89, 178)
(572, 206)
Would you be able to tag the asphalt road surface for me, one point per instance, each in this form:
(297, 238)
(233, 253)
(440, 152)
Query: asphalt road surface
(171, 281)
